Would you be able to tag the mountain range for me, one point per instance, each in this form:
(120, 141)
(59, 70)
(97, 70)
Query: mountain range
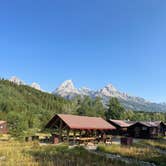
(69, 91)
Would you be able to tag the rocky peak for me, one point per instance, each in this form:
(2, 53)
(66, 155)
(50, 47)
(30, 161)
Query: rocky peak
(111, 88)
(86, 91)
(68, 84)
(67, 88)
(16, 80)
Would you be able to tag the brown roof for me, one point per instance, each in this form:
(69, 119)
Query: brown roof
(121, 123)
(151, 124)
(148, 124)
(83, 122)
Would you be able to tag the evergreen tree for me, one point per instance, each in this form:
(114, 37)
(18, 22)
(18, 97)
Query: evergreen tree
(115, 110)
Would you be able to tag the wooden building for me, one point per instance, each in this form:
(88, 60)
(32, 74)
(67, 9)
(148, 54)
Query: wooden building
(121, 126)
(79, 126)
(3, 127)
(163, 129)
(144, 129)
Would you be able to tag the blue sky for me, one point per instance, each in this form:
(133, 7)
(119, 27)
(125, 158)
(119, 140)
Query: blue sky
(91, 42)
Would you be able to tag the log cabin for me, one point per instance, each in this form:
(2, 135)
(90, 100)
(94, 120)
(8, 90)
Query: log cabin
(145, 129)
(121, 126)
(138, 129)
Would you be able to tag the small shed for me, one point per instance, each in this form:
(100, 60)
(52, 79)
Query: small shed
(144, 129)
(3, 127)
(66, 123)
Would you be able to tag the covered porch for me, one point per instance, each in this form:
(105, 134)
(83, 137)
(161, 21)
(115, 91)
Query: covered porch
(79, 129)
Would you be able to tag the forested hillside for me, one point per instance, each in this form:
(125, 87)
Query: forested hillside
(27, 110)
(25, 107)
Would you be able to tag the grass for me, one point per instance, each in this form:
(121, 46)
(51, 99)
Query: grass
(15, 153)
(137, 152)
(4, 137)
(161, 144)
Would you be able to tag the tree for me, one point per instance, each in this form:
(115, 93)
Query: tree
(90, 107)
(98, 107)
(115, 110)
(17, 124)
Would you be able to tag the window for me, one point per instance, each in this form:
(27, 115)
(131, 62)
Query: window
(144, 128)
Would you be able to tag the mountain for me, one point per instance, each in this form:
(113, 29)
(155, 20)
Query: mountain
(35, 86)
(87, 92)
(18, 81)
(68, 90)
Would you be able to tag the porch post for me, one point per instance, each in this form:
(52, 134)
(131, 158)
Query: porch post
(60, 130)
(74, 136)
(68, 132)
(80, 133)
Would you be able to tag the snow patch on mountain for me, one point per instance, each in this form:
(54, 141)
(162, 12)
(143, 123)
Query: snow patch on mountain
(86, 92)
(36, 86)
(67, 89)
(16, 80)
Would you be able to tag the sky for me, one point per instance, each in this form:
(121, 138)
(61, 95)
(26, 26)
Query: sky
(93, 43)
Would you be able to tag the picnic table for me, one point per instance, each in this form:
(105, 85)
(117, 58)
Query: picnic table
(86, 139)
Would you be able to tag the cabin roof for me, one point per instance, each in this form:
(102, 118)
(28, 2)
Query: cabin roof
(121, 123)
(82, 122)
(148, 124)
